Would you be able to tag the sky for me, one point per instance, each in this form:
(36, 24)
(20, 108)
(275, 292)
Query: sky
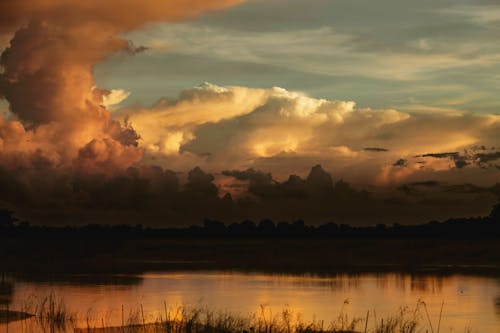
(407, 55)
(230, 106)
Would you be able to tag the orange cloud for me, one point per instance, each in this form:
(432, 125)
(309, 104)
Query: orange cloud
(47, 75)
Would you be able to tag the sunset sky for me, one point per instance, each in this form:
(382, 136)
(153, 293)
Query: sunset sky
(111, 104)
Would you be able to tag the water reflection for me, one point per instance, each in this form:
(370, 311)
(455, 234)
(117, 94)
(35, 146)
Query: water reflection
(414, 283)
(81, 279)
(469, 301)
(497, 305)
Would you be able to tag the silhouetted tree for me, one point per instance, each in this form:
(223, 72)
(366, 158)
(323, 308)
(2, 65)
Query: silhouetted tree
(267, 226)
(328, 228)
(495, 213)
(248, 225)
(214, 226)
(283, 227)
(299, 224)
(6, 218)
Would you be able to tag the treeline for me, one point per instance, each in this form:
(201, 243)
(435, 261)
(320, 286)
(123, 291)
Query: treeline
(463, 228)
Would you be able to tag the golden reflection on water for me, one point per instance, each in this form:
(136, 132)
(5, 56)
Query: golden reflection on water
(469, 301)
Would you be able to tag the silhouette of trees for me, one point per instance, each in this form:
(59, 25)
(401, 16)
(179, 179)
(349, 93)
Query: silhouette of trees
(465, 228)
(7, 218)
(213, 226)
(495, 214)
(267, 226)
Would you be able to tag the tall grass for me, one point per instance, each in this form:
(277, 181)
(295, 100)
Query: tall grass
(51, 312)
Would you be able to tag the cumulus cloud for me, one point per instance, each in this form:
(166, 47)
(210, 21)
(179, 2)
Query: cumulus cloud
(282, 131)
(58, 131)
(242, 125)
(48, 83)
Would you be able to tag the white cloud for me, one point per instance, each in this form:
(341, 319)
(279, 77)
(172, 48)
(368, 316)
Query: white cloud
(115, 97)
(236, 127)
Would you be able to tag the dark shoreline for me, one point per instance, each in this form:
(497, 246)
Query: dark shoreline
(267, 255)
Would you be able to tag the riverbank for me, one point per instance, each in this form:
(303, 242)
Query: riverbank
(272, 255)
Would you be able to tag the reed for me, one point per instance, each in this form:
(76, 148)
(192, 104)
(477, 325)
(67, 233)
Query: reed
(204, 320)
(52, 312)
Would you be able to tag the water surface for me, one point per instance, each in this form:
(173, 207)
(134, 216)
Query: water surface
(470, 302)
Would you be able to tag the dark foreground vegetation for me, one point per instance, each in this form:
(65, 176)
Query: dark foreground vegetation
(51, 313)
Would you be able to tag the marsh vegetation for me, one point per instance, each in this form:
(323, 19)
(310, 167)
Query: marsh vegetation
(52, 314)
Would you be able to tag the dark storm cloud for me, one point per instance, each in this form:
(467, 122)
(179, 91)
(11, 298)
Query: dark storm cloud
(423, 188)
(488, 157)
(259, 182)
(148, 195)
(415, 188)
(252, 175)
(468, 188)
(375, 149)
(156, 197)
(453, 155)
(480, 156)
(318, 198)
(459, 160)
(428, 183)
(401, 163)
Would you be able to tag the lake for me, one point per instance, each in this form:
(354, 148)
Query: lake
(467, 302)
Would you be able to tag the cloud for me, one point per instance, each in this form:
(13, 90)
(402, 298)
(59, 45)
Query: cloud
(114, 97)
(132, 13)
(488, 157)
(429, 189)
(59, 135)
(401, 163)
(154, 196)
(62, 151)
(48, 82)
(376, 149)
(330, 48)
(337, 51)
(479, 156)
(460, 161)
(282, 131)
(243, 124)
(318, 199)
(482, 15)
